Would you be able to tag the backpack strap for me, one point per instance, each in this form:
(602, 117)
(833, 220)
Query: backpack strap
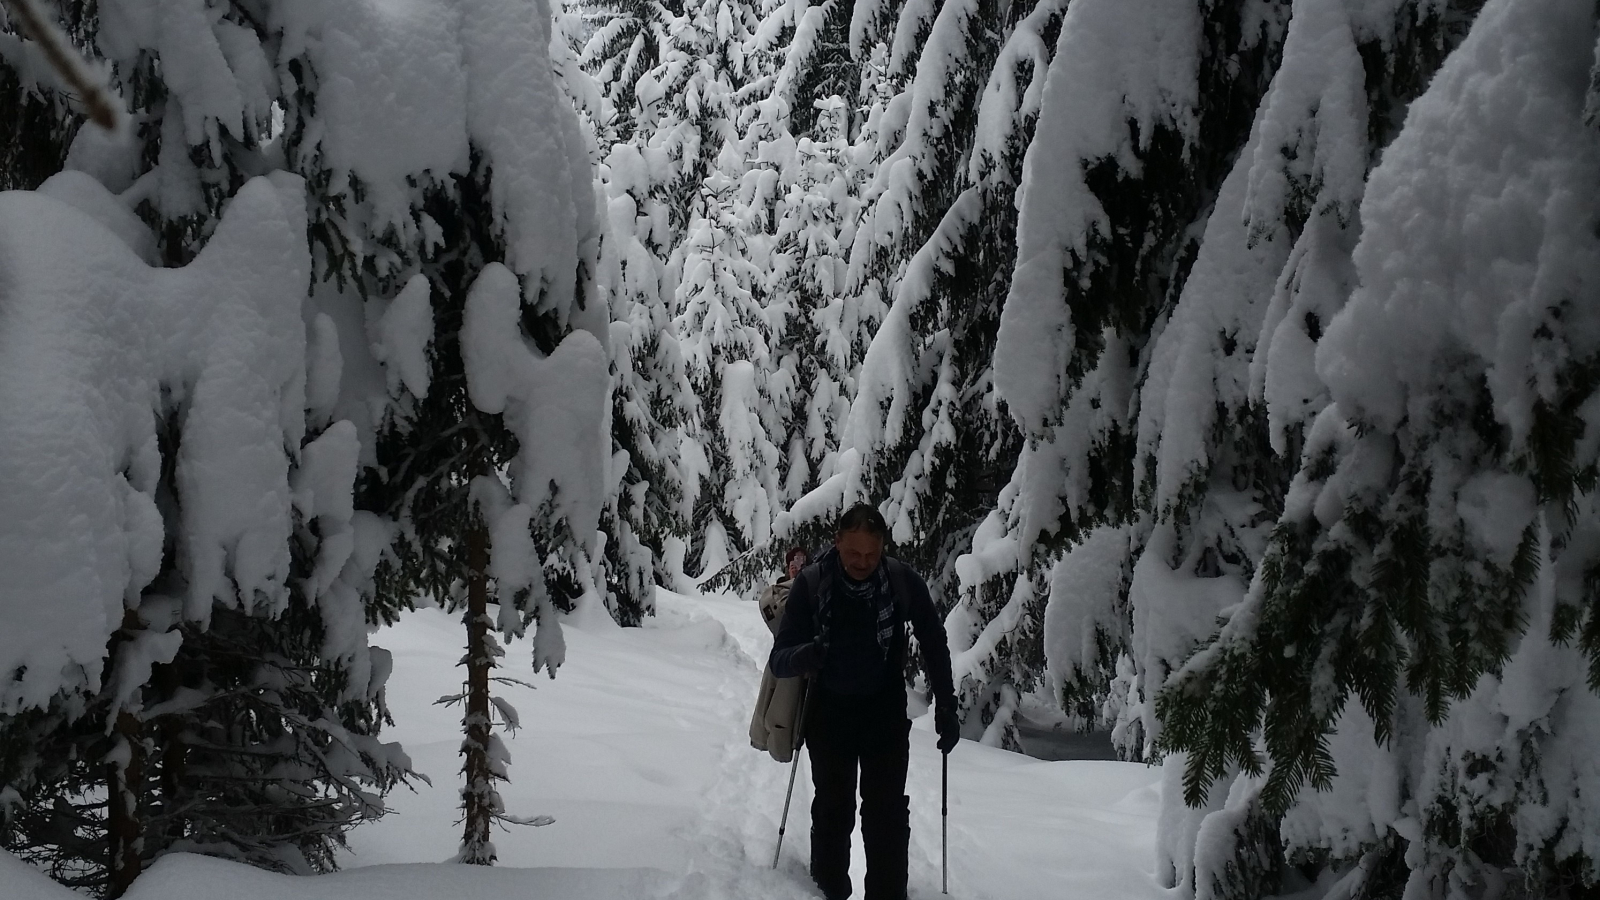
(812, 576)
(897, 587)
(902, 610)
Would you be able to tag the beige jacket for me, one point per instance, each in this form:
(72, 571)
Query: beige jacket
(779, 703)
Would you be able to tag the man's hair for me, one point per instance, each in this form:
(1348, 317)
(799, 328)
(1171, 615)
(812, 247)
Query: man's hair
(863, 517)
(796, 551)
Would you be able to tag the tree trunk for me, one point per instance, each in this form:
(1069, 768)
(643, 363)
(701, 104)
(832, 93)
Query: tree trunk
(124, 782)
(477, 796)
(173, 757)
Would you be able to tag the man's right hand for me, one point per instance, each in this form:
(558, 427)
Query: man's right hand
(808, 659)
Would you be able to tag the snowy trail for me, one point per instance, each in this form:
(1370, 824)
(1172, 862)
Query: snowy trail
(1019, 828)
(639, 749)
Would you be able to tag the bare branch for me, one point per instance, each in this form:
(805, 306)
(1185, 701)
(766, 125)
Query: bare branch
(98, 101)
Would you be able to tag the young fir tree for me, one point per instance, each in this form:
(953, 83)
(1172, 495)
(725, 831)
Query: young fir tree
(232, 705)
(476, 251)
(819, 341)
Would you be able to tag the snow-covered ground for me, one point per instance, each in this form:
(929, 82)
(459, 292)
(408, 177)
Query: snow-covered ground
(639, 750)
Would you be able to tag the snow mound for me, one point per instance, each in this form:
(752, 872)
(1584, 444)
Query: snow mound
(24, 882)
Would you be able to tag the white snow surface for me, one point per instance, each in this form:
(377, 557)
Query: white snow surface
(640, 751)
(24, 882)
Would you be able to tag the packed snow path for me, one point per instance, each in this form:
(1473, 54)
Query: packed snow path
(639, 748)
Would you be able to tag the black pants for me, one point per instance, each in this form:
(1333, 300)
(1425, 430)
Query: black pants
(871, 735)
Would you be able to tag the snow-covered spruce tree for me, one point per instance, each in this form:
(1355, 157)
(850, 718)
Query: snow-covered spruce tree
(817, 337)
(651, 396)
(816, 64)
(640, 485)
(1336, 100)
(725, 337)
(596, 115)
(1417, 614)
(945, 318)
(224, 699)
(687, 171)
(800, 199)
(643, 509)
(467, 223)
(685, 108)
(1208, 467)
(217, 694)
(1208, 487)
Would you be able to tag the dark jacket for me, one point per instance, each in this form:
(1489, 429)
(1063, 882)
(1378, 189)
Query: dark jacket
(914, 606)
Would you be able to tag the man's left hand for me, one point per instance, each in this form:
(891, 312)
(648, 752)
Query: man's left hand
(948, 725)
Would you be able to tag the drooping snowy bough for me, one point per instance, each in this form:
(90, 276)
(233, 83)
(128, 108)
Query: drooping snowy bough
(1425, 611)
(168, 611)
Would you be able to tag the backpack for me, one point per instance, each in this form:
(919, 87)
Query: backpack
(776, 719)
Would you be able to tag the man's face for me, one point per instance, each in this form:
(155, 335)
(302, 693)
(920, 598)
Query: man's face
(796, 563)
(859, 553)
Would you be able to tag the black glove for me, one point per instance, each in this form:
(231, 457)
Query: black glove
(808, 659)
(948, 725)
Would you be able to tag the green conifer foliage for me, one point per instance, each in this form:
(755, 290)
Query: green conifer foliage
(627, 42)
(1390, 626)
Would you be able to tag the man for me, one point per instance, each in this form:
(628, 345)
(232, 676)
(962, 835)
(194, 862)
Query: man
(846, 627)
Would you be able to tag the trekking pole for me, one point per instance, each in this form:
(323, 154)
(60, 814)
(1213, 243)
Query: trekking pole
(944, 823)
(794, 769)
